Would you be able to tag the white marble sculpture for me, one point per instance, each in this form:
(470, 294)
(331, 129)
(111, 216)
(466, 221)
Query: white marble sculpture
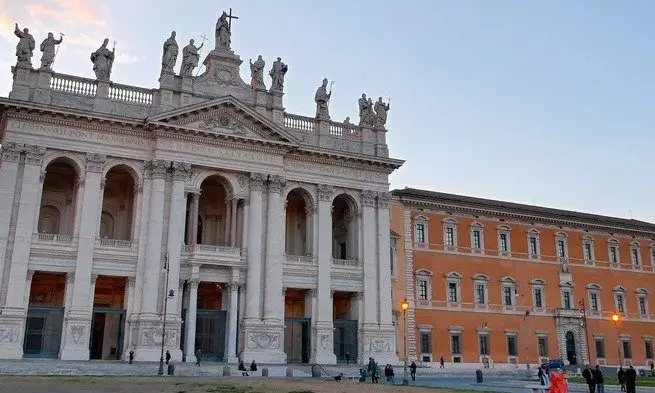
(322, 98)
(381, 110)
(277, 72)
(190, 58)
(24, 47)
(103, 59)
(169, 56)
(365, 112)
(48, 49)
(257, 74)
(223, 33)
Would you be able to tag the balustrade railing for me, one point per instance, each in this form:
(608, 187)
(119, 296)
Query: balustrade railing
(304, 259)
(300, 123)
(107, 242)
(74, 85)
(53, 237)
(133, 94)
(211, 249)
(345, 262)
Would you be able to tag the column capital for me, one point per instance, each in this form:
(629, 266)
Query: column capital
(194, 282)
(138, 189)
(242, 288)
(311, 293)
(368, 198)
(325, 192)
(383, 199)
(30, 274)
(70, 278)
(246, 201)
(232, 287)
(180, 170)
(94, 278)
(42, 176)
(358, 295)
(131, 281)
(309, 209)
(95, 162)
(11, 151)
(158, 168)
(276, 184)
(257, 181)
(34, 154)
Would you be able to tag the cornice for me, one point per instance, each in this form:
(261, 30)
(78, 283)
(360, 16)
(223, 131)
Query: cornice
(335, 160)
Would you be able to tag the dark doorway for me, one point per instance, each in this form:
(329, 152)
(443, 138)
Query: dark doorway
(210, 334)
(297, 339)
(570, 348)
(108, 322)
(345, 340)
(45, 316)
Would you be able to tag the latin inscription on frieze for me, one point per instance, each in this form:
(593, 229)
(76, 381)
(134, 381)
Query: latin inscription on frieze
(218, 152)
(336, 171)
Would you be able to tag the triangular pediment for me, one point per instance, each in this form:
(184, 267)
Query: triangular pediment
(225, 116)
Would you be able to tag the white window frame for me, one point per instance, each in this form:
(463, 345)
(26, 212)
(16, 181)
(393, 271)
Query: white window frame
(594, 289)
(588, 240)
(424, 275)
(452, 224)
(420, 342)
(393, 250)
(651, 250)
(455, 278)
(567, 288)
(620, 290)
(421, 220)
(511, 359)
(540, 284)
(541, 335)
(506, 230)
(564, 238)
(484, 332)
(642, 294)
(533, 233)
(635, 252)
(476, 226)
(508, 282)
(481, 279)
(456, 331)
(613, 243)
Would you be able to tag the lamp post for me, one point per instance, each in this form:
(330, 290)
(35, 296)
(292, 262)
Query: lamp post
(405, 306)
(167, 295)
(615, 320)
(586, 331)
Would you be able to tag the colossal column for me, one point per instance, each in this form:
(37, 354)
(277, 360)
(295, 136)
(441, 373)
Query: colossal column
(77, 319)
(11, 153)
(190, 321)
(273, 302)
(384, 262)
(231, 357)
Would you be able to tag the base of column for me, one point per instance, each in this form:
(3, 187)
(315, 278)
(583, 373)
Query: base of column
(12, 331)
(147, 339)
(323, 349)
(378, 342)
(190, 359)
(76, 334)
(263, 344)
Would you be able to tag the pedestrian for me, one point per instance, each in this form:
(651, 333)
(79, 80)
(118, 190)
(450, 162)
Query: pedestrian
(412, 371)
(600, 381)
(131, 356)
(631, 380)
(542, 378)
(198, 356)
(253, 365)
(589, 378)
(375, 375)
(441, 362)
(168, 356)
(370, 368)
(621, 377)
(242, 368)
(652, 369)
(389, 374)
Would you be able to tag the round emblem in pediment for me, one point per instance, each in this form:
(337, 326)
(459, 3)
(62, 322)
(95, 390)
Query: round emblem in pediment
(224, 121)
(224, 76)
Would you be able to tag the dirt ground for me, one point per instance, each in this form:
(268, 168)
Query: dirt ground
(118, 384)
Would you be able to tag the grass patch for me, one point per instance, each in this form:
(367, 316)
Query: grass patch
(643, 381)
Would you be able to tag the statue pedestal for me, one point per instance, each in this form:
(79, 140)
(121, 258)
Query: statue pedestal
(42, 92)
(24, 82)
(369, 140)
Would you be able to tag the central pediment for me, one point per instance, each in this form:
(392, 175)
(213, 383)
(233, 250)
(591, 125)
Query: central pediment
(225, 116)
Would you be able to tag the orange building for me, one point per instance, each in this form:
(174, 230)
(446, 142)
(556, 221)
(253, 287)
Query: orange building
(492, 282)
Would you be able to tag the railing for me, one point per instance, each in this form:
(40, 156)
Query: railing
(73, 84)
(133, 94)
(53, 237)
(212, 249)
(345, 262)
(304, 259)
(345, 131)
(300, 123)
(107, 242)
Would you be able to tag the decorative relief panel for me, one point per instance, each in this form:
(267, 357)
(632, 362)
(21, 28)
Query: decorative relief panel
(263, 340)
(154, 337)
(326, 342)
(379, 344)
(77, 334)
(8, 333)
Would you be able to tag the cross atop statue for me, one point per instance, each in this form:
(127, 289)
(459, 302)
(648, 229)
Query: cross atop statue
(230, 17)
(224, 30)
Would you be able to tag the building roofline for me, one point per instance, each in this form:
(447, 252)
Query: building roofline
(524, 211)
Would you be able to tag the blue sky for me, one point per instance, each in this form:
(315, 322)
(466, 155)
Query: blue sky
(549, 103)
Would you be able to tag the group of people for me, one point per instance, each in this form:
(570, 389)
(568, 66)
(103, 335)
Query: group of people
(596, 382)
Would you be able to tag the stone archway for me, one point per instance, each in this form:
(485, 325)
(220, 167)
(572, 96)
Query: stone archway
(571, 353)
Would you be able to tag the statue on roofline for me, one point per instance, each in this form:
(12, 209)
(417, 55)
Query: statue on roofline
(48, 49)
(257, 74)
(103, 60)
(190, 58)
(24, 48)
(169, 56)
(277, 73)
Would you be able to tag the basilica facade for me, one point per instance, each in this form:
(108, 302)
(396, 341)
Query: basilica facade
(201, 205)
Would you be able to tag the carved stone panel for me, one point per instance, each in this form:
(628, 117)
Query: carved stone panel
(263, 340)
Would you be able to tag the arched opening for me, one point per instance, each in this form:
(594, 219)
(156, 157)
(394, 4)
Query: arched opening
(118, 204)
(344, 228)
(298, 219)
(58, 199)
(570, 348)
(213, 212)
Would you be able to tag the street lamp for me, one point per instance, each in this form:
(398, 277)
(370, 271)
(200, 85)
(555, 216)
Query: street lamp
(615, 320)
(405, 306)
(167, 294)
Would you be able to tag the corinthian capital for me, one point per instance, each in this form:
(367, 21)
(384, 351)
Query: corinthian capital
(95, 162)
(383, 199)
(368, 198)
(256, 181)
(180, 170)
(276, 183)
(34, 154)
(158, 168)
(325, 192)
(11, 151)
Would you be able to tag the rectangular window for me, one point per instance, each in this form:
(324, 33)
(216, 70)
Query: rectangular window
(452, 292)
(455, 341)
(561, 252)
(566, 295)
(450, 236)
(652, 256)
(600, 347)
(635, 256)
(511, 346)
(642, 305)
(593, 304)
(542, 343)
(587, 251)
(648, 349)
(422, 289)
(507, 296)
(533, 245)
(420, 232)
(627, 349)
(426, 342)
(392, 256)
(619, 303)
(479, 294)
(614, 256)
(484, 345)
(538, 301)
(503, 242)
(476, 239)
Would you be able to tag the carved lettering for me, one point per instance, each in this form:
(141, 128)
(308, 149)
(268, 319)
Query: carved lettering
(217, 152)
(337, 171)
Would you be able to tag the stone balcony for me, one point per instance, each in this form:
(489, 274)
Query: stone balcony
(208, 254)
(54, 245)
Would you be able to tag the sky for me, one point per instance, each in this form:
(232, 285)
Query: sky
(549, 103)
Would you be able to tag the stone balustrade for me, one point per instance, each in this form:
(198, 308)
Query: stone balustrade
(301, 259)
(345, 262)
(131, 94)
(299, 123)
(73, 85)
(52, 238)
(107, 242)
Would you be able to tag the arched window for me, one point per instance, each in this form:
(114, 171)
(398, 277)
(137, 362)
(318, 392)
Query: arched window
(118, 204)
(298, 223)
(344, 228)
(59, 198)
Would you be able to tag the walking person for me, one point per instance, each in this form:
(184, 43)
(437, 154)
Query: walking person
(589, 378)
(630, 380)
(441, 362)
(198, 356)
(600, 381)
(621, 377)
(168, 356)
(412, 371)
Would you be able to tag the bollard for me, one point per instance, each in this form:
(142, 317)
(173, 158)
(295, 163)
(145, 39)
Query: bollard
(226, 371)
(316, 371)
(478, 376)
(264, 372)
(289, 372)
(171, 369)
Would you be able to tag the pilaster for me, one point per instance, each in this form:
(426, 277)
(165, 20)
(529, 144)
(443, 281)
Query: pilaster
(190, 322)
(273, 303)
(233, 290)
(11, 154)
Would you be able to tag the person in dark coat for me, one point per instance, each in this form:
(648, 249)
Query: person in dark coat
(242, 368)
(412, 371)
(589, 378)
(253, 366)
(631, 380)
(600, 381)
(441, 362)
(168, 356)
(540, 375)
(621, 377)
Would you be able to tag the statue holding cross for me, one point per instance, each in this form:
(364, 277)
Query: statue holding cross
(224, 30)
